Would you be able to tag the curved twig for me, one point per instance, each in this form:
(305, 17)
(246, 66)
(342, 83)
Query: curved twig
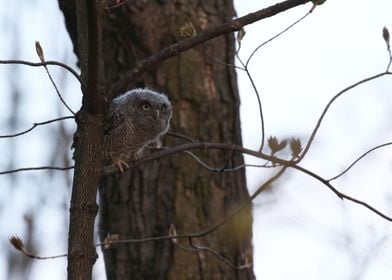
(318, 124)
(246, 69)
(216, 254)
(48, 62)
(57, 90)
(275, 36)
(220, 62)
(258, 102)
(109, 170)
(224, 169)
(223, 146)
(35, 125)
(17, 243)
(358, 159)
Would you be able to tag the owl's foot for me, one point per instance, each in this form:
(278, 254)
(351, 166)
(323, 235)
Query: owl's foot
(122, 165)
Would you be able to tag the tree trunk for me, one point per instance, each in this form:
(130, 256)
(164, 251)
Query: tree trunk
(176, 192)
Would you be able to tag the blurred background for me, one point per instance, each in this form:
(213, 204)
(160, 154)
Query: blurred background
(301, 229)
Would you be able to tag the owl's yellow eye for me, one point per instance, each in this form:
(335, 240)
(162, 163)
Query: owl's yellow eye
(146, 106)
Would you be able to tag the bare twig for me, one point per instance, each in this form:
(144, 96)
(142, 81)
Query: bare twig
(245, 67)
(224, 169)
(358, 159)
(245, 204)
(223, 146)
(318, 124)
(390, 59)
(218, 61)
(40, 64)
(198, 145)
(17, 243)
(41, 56)
(340, 194)
(35, 125)
(274, 37)
(36, 168)
(199, 248)
(387, 38)
(258, 102)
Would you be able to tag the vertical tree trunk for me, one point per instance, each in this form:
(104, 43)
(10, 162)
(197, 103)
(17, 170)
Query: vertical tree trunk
(177, 192)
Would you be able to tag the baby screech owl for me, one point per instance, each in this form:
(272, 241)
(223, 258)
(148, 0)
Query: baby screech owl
(135, 119)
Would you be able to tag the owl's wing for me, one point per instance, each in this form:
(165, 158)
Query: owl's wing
(113, 120)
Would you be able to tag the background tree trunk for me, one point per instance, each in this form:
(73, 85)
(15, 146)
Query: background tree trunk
(176, 191)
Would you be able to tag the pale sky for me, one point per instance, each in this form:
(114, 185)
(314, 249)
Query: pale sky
(301, 230)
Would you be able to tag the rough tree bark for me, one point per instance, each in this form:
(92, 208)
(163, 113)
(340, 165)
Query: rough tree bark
(175, 191)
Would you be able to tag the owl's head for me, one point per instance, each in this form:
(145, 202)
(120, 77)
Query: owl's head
(148, 109)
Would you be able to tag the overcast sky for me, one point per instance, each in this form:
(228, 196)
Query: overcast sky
(302, 231)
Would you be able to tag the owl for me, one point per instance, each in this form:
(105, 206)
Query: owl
(135, 119)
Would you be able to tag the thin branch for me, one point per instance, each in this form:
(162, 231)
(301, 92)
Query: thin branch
(36, 125)
(390, 59)
(318, 124)
(340, 194)
(224, 169)
(275, 36)
(231, 147)
(199, 248)
(36, 168)
(17, 243)
(40, 64)
(218, 61)
(36, 257)
(366, 205)
(245, 204)
(387, 38)
(109, 170)
(245, 67)
(258, 102)
(358, 159)
(122, 84)
(41, 56)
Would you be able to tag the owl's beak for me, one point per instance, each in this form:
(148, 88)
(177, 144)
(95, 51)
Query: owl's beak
(157, 114)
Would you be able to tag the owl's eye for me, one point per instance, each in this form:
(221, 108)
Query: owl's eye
(146, 106)
(163, 108)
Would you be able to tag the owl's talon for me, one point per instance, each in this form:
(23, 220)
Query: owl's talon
(121, 164)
